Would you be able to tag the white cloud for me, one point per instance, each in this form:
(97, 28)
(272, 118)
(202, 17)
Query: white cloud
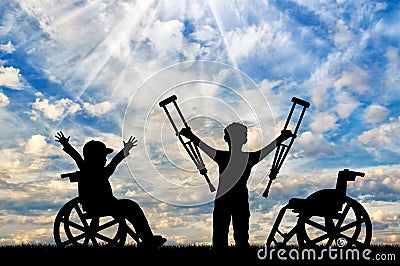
(11, 161)
(392, 55)
(8, 48)
(36, 145)
(355, 79)
(376, 113)
(385, 134)
(4, 100)
(205, 34)
(99, 108)
(54, 111)
(343, 35)
(380, 216)
(392, 79)
(313, 144)
(165, 36)
(346, 105)
(242, 42)
(323, 122)
(248, 42)
(10, 77)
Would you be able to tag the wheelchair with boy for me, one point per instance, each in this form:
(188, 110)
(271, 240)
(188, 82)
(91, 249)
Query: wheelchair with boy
(75, 226)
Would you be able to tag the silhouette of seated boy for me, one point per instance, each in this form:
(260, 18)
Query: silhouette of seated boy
(234, 165)
(95, 190)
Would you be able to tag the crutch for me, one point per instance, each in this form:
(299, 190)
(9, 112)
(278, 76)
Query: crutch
(283, 149)
(190, 148)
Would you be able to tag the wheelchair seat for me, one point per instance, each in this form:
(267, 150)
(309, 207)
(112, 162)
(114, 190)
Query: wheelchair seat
(297, 204)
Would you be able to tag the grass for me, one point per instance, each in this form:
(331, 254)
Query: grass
(188, 254)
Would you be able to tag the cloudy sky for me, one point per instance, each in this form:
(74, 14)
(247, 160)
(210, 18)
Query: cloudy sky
(98, 69)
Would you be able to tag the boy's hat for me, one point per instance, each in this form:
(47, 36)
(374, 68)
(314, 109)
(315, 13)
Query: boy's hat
(94, 147)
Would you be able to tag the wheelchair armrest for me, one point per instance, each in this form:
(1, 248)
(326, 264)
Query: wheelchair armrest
(73, 177)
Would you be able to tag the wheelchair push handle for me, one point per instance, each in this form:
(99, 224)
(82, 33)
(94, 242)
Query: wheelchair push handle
(350, 175)
(168, 100)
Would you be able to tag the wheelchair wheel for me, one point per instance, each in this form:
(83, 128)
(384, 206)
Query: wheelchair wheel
(74, 227)
(351, 228)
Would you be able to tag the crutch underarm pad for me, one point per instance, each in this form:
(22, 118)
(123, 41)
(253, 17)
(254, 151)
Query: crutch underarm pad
(301, 102)
(168, 100)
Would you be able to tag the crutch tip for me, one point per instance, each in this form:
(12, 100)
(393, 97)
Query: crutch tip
(212, 188)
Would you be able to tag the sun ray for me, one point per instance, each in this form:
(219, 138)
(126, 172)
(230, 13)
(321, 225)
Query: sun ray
(113, 39)
(221, 28)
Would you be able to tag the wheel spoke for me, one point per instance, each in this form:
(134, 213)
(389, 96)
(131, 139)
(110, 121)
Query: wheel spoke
(81, 215)
(103, 237)
(107, 224)
(343, 216)
(94, 241)
(316, 225)
(350, 225)
(114, 241)
(319, 239)
(75, 225)
(132, 233)
(77, 237)
(66, 243)
(86, 241)
(330, 241)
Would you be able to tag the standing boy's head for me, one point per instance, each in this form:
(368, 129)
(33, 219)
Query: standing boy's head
(95, 152)
(235, 134)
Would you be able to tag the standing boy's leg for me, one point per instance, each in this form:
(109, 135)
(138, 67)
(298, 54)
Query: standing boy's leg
(240, 224)
(221, 221)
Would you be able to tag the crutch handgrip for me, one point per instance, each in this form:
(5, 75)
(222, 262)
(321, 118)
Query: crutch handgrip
(204, 171)
(168, 100)
(301, 102)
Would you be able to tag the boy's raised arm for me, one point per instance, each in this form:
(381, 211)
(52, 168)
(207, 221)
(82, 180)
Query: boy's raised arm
(124, 152)
(61, 138)
(210, 151)
(285, 134)
(132, 142)
(67, 147)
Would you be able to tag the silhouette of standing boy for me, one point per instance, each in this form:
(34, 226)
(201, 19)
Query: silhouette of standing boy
(95, 190)
(231, 200)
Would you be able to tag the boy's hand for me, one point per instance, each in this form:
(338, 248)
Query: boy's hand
(187, 132)
(61, 138)
(285, 134)
(132, 142)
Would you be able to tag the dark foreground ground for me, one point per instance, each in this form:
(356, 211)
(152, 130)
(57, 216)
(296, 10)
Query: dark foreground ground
(196, 255)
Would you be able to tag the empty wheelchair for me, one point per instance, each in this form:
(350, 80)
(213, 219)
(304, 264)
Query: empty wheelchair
(327, 217)
(74, 226)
